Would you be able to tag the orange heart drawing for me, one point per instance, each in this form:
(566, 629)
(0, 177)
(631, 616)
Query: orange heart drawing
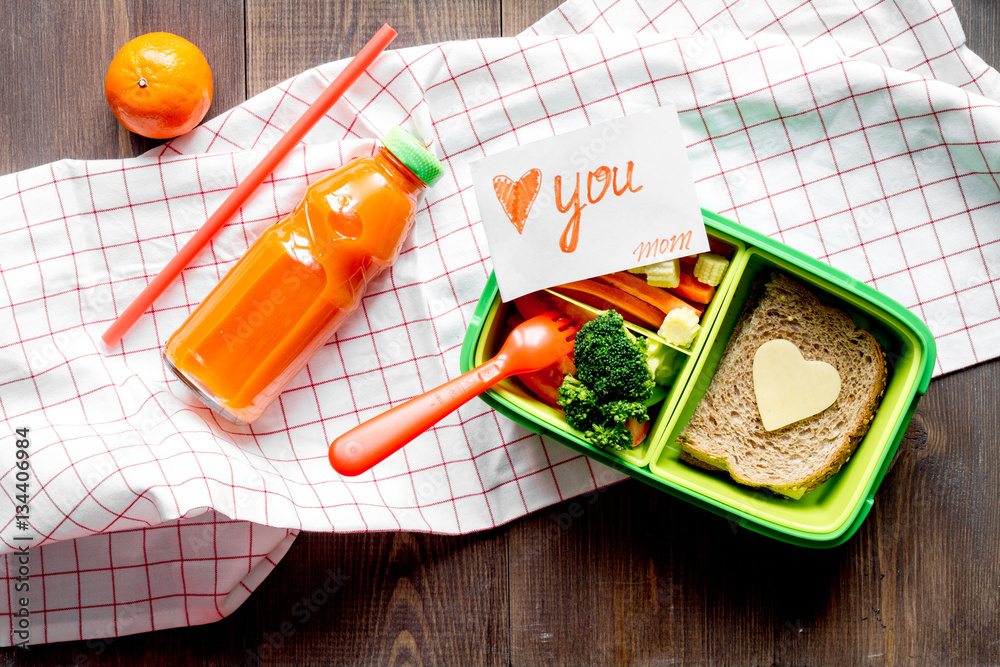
(517, 197)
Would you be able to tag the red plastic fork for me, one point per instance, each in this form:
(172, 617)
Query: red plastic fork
(531, 346)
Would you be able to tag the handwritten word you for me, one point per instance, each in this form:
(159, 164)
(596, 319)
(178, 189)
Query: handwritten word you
(598, 182)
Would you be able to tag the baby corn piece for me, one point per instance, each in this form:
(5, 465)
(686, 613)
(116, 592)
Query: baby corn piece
(710, 268)
(680, 326)
(661, 274)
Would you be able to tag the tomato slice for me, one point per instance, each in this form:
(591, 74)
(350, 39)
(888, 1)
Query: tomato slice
(639, 430)
(545, 383)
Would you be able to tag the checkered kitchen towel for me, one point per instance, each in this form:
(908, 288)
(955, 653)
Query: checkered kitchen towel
(863, 133)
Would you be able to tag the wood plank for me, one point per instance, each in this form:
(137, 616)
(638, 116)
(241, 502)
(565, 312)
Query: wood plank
(631, 575)
(406, 599)
(981, 22)
(519, 15)
(285, 37)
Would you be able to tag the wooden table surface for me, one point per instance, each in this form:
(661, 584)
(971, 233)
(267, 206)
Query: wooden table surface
(636, 577)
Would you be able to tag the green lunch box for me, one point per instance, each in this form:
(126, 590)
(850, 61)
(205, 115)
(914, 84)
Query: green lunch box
(824, 517)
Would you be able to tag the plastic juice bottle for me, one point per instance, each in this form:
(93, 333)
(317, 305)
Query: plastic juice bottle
(303, 277)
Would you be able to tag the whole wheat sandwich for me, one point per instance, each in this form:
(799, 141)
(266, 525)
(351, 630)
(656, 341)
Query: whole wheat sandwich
(726, 431)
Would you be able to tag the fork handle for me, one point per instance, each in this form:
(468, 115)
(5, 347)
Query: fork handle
(372, 441)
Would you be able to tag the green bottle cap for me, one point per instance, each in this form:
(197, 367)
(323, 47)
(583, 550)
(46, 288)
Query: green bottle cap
(412, 153)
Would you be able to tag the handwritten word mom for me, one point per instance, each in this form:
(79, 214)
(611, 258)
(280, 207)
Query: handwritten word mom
(598, 182)
(647, 250)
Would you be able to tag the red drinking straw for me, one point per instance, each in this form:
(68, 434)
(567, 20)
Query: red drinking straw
(366, 56)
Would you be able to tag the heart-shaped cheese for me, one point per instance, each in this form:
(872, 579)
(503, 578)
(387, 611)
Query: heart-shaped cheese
(789, 388)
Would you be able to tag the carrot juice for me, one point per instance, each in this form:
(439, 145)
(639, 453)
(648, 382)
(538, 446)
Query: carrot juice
(300, 280)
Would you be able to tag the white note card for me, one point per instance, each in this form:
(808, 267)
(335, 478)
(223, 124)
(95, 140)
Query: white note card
(605, 198)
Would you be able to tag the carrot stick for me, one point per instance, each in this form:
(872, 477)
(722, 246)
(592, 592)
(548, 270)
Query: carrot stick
(605, 297)
(537, 303)
(657, 297)
(692, 289)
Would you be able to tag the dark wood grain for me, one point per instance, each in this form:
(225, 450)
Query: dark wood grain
(625, 576)
(406, 599)
(285, 37)
(981, 22)
(519, 15)
(633, 576)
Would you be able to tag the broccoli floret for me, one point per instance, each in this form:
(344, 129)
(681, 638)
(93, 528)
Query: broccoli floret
(618, 412)
(611, 431)
(611, 361)
(611, 382)
(615, 437)
(579, 403)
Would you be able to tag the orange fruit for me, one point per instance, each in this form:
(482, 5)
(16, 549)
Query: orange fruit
(159, 85)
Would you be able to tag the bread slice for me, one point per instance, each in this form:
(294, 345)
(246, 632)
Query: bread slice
(726, 431)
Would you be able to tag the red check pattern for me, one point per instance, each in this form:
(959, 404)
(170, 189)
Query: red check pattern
(860, 132)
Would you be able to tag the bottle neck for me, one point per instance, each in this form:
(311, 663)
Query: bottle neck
(408, 180)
